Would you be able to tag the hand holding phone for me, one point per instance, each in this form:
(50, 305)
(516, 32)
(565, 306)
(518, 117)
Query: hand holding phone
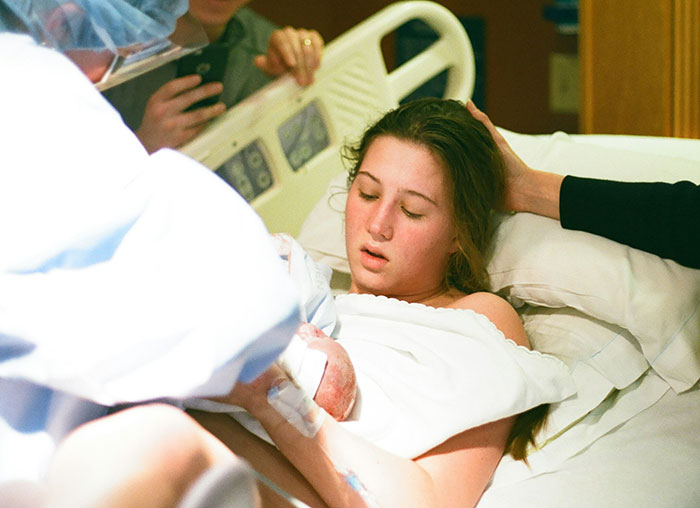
(210, 63)
(174, 114)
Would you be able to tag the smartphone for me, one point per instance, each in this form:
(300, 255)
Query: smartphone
(210, 63)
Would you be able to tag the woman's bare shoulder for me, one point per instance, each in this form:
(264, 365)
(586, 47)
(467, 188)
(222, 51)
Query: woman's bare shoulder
(499, 311)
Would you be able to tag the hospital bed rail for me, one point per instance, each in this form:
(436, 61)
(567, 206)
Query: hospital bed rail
(280, 146)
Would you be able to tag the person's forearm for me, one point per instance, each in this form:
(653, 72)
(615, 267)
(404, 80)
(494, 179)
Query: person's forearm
(657, 217)
(536, 192)
(345, 469)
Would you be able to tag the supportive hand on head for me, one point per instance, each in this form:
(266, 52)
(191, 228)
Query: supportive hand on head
(516, 169)
(527, 189)
(296, 50)
(166, 123)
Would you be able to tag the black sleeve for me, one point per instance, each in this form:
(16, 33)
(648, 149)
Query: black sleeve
(660, 218)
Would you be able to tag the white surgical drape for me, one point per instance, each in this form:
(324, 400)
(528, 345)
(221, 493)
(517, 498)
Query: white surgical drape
(123, 277)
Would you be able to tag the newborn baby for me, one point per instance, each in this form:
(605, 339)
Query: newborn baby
(322, 368)
(317, 363)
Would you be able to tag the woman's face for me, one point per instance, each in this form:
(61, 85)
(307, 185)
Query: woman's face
(399, 230)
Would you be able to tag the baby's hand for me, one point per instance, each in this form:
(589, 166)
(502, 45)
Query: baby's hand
(310, 333)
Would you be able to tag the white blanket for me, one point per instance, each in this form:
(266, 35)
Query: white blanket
(426, 374)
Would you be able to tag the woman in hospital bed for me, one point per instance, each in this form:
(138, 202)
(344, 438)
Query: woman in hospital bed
(425, 180)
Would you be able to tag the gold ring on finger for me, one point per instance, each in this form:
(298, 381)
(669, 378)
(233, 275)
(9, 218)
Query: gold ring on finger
(307, 42)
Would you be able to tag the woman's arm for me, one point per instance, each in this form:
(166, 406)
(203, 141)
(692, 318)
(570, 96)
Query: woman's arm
(657, 217)
(346, 470)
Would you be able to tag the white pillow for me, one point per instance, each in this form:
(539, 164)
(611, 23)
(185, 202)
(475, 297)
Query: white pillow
(536, 261)
(657, 300)
(601, 357)
(323, 233)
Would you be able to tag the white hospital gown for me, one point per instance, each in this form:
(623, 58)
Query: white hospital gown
(123, 277)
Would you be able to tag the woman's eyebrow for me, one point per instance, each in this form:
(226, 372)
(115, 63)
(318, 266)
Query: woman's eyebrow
(365, 173)
(403, 191)
(420, 195)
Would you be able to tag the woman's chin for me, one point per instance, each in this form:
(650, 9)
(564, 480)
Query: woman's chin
(370, 286)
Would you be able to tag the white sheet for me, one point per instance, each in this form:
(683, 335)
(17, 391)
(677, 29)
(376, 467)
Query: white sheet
(426, 374)
(649, 460)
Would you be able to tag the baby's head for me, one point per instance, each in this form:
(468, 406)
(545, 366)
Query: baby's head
(337, 390)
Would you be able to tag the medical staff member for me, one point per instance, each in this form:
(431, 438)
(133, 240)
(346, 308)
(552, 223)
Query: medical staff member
(124, 277)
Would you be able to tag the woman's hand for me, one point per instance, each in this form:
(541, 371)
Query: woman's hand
(296, 50)
(253, 395)
(166, 123)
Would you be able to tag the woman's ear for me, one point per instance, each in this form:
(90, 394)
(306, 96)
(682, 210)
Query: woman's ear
(455, 245)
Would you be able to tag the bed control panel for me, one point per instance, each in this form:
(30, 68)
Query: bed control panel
(247, 171)
(303, 136)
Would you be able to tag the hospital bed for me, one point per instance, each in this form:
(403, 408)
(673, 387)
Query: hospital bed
(625, 322)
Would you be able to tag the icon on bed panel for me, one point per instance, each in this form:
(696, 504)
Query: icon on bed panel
(247, 171)
(303, 136)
